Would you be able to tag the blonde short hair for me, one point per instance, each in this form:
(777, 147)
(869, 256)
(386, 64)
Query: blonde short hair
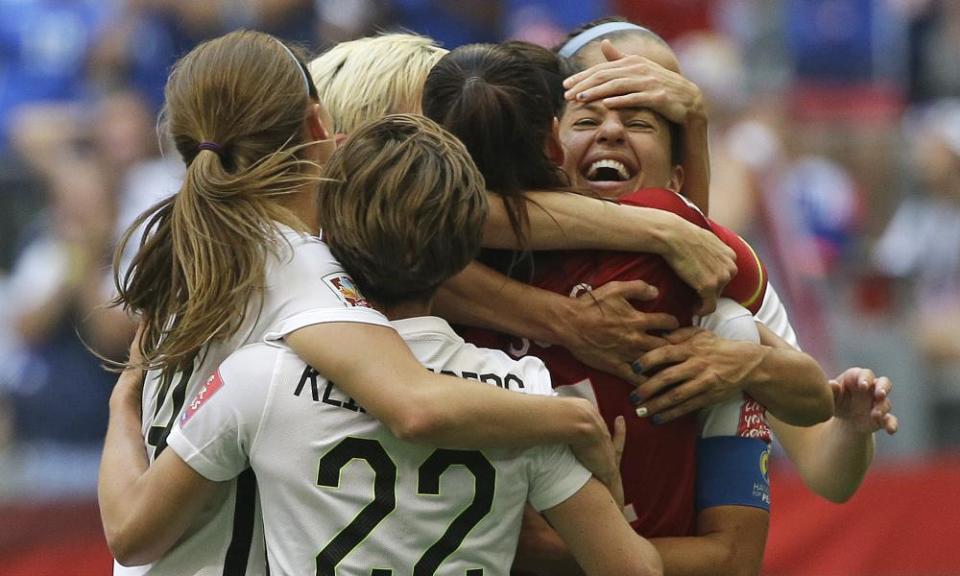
(403, 209)
(368, 78)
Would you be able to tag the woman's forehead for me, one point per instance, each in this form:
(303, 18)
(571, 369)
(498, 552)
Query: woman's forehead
(632, 44)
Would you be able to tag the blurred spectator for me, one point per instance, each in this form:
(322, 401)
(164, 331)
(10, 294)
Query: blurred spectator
(44, 45)
(922, 241)
(546, 22)
(933, 48)
(451, 23)
(669, 18)
(147, 37)
(60, 391)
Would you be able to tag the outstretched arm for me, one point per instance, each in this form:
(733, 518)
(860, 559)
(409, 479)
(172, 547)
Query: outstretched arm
(834, 457)
(703, 369)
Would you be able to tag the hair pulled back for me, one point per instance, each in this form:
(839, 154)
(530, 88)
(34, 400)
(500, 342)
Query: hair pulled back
(499, 105)
(235, 108)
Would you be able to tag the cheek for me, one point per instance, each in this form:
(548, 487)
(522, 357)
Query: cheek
(574, 146)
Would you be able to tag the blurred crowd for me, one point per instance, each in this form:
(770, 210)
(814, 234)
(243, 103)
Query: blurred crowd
(835, 150)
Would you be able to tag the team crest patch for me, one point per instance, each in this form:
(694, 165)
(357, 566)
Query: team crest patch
(344, 288)
(752, 423)
(209, 388)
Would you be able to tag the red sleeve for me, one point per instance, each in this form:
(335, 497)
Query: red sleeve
(750, 283)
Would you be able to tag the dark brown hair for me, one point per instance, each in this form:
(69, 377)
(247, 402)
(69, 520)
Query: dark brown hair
(497, 103)
(403, 209)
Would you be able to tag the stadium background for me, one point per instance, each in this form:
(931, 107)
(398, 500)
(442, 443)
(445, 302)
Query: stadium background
(835, 148)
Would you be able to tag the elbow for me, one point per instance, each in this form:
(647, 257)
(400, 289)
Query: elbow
(129, 550)
(416, 422)
(654, 566)
(834, 491)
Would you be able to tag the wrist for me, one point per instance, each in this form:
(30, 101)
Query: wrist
(585, 430)
(663, 232)
(759, 373)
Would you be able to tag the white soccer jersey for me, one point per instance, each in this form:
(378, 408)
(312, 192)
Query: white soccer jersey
(740, 415)
(773, 315)
(342, 495)
(305, 286)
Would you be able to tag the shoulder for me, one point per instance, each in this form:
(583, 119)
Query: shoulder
(732, 321)
(256, 364)
(665, 199)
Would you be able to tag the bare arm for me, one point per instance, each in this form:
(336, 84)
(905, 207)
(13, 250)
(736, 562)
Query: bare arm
(598, 537)
(560, 220)
(144, 509)
(834, 457)
(420, 406)
(729, 541)
(704, 369)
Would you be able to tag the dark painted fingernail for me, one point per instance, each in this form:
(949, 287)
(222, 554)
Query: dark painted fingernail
(635, 398)
(656, 419)
(637, 367)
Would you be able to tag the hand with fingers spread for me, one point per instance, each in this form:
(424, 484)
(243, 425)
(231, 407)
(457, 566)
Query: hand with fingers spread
(607, 332)
(861, 401)
(637, 82)
(697, 369)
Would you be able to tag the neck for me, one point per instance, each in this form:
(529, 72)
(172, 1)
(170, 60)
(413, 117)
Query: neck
(303, 205)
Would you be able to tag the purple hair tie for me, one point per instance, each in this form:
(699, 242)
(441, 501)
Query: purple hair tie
(211, 146)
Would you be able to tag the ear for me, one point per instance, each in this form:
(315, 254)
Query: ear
(676, 179)
(315, 125)
(553, 149)
(339, 138)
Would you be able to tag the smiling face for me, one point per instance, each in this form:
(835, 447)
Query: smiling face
(615, 152)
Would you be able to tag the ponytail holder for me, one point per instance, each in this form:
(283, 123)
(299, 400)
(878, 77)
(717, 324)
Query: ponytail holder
(211, 146)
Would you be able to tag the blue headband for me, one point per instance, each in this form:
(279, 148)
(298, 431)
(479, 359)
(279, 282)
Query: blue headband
(587, 36)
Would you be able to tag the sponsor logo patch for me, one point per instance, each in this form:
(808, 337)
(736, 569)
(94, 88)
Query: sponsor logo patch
(752, 423)
(345, 289)
(209, 388)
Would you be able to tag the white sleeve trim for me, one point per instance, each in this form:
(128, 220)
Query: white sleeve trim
(193, 456)
(357, 314)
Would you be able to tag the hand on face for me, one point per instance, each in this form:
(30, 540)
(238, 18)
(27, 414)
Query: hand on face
(647, 78)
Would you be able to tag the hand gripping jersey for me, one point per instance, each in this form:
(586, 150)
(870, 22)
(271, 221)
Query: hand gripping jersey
(659, 466)
(305, 286)
(341, 495)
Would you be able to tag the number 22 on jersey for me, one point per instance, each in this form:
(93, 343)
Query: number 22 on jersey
(385, 501)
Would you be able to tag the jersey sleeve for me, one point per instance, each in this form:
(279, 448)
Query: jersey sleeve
(734, 445)
(555, 475)
(217, 429)
(306, 285)
(750, 282)
(773, 315)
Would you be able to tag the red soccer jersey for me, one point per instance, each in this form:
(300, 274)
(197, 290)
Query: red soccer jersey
(659, 462)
